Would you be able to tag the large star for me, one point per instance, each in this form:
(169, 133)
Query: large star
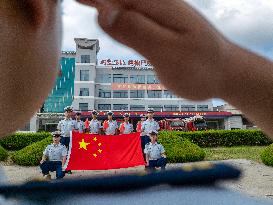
(83, 144)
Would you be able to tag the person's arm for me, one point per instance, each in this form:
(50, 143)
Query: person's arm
(188, 53)
(162, 152)
(45, 155)
(64, 154)
(147, 159)
(63, 161)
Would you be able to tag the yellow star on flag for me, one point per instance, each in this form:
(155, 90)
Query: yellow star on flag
(95, 155)
(83, 144)
(99, 144)
(95, 139)
(100, 151)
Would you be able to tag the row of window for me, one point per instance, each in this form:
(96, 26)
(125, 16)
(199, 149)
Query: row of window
(84, 107)
(119, 78)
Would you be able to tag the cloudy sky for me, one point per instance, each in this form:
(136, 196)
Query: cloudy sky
(246, 22)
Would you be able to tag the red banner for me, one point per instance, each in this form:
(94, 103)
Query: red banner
(101, 152)
(131, 86)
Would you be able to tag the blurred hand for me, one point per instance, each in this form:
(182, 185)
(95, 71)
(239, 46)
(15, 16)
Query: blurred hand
(188, 53)
(42, 161)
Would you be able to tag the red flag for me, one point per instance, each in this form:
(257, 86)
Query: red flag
(101, 152)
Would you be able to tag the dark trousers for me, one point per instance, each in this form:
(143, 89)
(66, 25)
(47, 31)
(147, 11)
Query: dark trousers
(157, 163)
(51, 166)
(65, 141)
(144, 140)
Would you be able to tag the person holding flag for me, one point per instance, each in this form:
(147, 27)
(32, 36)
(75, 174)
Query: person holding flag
(79, 125)
(126, 127)
(147, 127)
(95, 125)
(66, 125)
(110, 126)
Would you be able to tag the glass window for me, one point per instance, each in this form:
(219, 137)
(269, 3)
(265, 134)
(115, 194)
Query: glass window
(104, 93)
(120, 94)
(104, 106)
(84, 91)
(202, 107)
(152, 79)
(85, 58)
(103, 78)
(171, 107)
(120, 78)
(120, 107)
(157, 108)
(188, 108)
(137, 107)
(168, 94)
(154, 93)
(137, 93)
(84, 75)
(137, 79)
(83, 106)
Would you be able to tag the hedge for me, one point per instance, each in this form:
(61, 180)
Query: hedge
(267, 155)
(224, 138)
(32, 154)
(19, 140)
(180, 150)
(3, 154)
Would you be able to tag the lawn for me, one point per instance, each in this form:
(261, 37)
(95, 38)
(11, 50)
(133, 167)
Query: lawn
(243, 152)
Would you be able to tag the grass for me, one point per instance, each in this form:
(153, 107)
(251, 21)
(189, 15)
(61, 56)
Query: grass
(242, 152)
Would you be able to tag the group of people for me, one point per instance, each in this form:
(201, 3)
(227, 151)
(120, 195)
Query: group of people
(55, 154)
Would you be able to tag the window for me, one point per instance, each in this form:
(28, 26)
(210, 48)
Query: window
(137, 93)
(120, 107)
(84, 75)
(137, 107)
(137, 79)
(104, 106)
(202, 108)
(120, 94)
(171, 107)
(104, 78)
(157, 108)
(168, 94)
(83, 106)
(152, 79)
(188, 108)
(154, 93)
(120, 78)
(84, 91)
(85, 58)
(104, 93)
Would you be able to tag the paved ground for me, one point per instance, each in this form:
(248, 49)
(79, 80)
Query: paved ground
(257, 180)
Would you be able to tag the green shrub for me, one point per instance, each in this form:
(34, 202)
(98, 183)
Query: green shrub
(19, 140)
(3, 154)
(180, 150)
(224, 138)
(32, 154)
(267, 155)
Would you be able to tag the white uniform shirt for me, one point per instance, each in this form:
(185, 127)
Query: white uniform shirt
(55, 152)
(65, 126)
(128, 128)
(79, 125)
(149, 126)
(95, 126)
(154, 151)
(111, 130)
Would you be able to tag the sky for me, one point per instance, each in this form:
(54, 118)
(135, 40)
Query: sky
(248, 23)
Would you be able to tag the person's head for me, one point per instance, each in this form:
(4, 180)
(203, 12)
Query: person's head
(142, 117)
(110, 115)
(29, 57)
(126, 117)
(68, 112)
(94, 114)
(150, 113)
(56, 137)
(153, 136)
(78, 116)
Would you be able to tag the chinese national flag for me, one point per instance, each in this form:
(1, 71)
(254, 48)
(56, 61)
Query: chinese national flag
(101, 152)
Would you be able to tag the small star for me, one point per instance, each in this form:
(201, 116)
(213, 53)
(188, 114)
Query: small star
(95, 155)
(100, 151)
(95, 139)
(83, 144)
(99, 144)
